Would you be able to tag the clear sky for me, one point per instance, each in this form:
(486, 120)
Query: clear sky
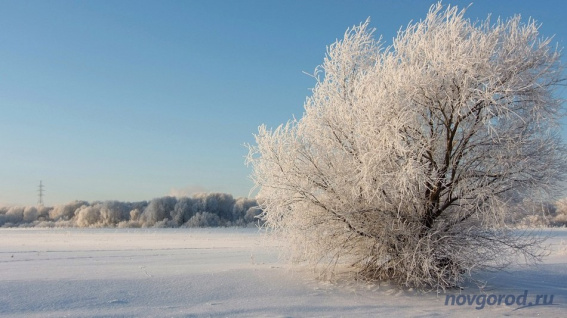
(132, 100)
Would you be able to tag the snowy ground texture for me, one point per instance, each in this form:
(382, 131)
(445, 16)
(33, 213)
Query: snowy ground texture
(226, 273)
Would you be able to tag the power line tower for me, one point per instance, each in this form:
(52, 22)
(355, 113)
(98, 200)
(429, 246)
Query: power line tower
(40, 191)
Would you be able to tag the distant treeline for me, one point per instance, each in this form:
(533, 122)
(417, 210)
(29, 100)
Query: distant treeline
(200, 210)
(208, 210)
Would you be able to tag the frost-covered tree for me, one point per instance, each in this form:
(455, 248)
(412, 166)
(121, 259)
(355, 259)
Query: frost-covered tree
(88, 215)
(220, 204)
(204, 219)
(182, 211)
(113, 212)
(159, 209)
(244, 209)
(30, 214)
(66, 212)
(561, 212)
(406, 156)
(15, 215)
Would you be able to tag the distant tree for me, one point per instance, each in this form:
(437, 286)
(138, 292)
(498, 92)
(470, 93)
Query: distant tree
(159, 209)
(561, 212)
(220, 204)
(67, 211)
(141, 205)
(15, 215)
(241, 207)
(135, 215)
(43, 213)
(406, 155)
(253, 216)
(113, 212)
(199, 202)
(30, 214)
(88, 215)
(182, 211)
(204, 219)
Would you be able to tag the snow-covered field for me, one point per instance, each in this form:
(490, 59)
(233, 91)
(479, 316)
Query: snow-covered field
(226, 273)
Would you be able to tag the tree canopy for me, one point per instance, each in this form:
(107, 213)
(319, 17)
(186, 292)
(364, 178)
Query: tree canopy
(407, 156)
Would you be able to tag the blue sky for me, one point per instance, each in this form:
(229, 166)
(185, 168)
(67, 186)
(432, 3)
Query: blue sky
(132, 100)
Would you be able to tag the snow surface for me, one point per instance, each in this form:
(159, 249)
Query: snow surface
(223, 273)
